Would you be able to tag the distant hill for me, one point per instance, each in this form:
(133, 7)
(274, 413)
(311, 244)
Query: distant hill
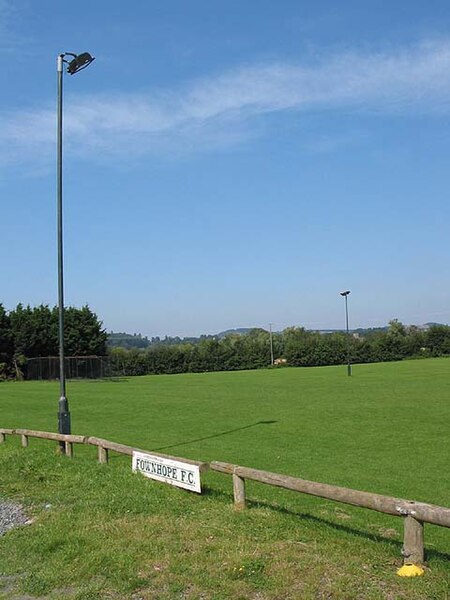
(238, 331)
(428, 325)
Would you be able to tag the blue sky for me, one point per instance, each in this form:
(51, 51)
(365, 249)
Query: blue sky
(230, 163)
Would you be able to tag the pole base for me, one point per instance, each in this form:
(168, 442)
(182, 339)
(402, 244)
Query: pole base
(64, 422)
(63, 427)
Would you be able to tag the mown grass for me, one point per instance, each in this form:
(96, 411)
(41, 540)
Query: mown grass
(102, 532)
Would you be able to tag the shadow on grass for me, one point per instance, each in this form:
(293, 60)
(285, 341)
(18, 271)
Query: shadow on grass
(367, 535)
(215, 435)
(117, 379)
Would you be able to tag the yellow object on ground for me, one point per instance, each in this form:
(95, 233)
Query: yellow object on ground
(410, 570)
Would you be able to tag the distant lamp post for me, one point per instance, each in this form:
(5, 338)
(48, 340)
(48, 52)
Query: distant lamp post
(349, 366)
(78, 62)
(271, 344)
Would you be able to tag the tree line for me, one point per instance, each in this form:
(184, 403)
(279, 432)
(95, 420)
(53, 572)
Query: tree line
(28, 332)
(297, 346)
(136, 340)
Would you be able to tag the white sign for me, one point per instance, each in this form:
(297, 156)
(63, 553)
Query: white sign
(184, 475)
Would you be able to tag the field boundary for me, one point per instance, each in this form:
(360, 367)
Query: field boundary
(414, 514)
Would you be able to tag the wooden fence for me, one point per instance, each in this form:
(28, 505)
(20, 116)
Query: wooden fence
(415, 514)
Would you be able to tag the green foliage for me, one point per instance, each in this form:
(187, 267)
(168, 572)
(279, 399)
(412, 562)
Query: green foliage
(27, 332)
(6, 344)
(437, 340)
(136, 340)
(126, 340)
(32, 332)
(299, 347)
(83, 333)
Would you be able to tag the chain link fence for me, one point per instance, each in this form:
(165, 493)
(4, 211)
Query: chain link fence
(76, 367)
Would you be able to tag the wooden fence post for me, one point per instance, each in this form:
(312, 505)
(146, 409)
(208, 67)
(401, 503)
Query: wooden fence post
(24, 441)
(239, 492)
(102, 455)
(69, 449)
(413, 541)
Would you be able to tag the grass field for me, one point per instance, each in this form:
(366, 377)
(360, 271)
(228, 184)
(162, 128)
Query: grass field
(110, 534)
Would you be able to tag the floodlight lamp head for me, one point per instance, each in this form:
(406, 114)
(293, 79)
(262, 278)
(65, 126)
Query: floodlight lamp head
(345, 293)
(79, 62)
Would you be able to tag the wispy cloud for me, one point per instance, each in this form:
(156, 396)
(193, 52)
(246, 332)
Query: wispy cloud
(9, 40)
(222, 109)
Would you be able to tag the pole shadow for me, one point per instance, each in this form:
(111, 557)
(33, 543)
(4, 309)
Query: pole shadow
(215, 435)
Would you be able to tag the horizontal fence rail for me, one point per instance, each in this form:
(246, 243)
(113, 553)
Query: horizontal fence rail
(398, 507)
(47, 435)
(414, 514)
(102, 445)
(123, 449)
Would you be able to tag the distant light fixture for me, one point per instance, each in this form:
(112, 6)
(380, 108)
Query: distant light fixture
(79, 62)
(349, 365)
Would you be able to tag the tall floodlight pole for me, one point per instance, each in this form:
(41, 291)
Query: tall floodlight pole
(349, 366)
(77, 63)
(271, 344)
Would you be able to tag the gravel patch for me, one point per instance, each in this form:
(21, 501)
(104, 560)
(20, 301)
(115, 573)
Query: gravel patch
(11, 515)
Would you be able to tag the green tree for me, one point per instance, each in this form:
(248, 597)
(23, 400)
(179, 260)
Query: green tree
(83, 332)
(437, 339)
(6, 344)
(34, 331)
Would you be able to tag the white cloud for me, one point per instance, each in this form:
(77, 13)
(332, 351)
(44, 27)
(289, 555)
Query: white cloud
(220, 109)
